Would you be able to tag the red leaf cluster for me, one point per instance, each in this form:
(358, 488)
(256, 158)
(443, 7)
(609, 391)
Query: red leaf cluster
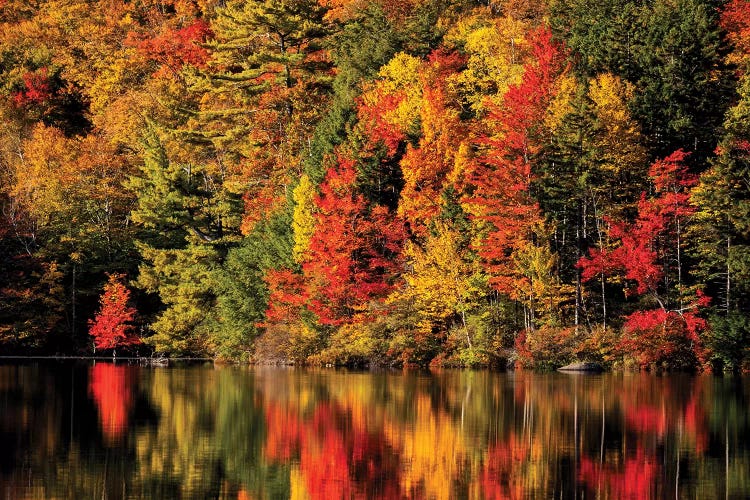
(378, 128)
(351, 258)
(502, 177)
(659, 336)
(176, 47)
(651, 235)
(36, 88)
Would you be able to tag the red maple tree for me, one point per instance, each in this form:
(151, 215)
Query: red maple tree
(647, 253)
(354, 249)
(502, 176)
(112, 326)
(36, 88)
(174, 48)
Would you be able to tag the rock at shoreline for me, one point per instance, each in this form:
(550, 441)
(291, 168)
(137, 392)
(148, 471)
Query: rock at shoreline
(582, 367)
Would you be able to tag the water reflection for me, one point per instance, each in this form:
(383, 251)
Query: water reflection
(118, 431)
(111, 388)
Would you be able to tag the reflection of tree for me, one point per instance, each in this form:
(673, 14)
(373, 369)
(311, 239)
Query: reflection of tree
(483, 435)
(338, 457)
(111, 388)
(502, 476)
(238, 434)
(634, 479)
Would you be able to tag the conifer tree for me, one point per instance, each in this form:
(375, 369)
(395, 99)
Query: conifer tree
(260, 96)
(189, 221)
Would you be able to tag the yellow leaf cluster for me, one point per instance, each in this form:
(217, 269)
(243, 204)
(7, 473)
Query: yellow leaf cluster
(303, 218)
(400, 77)
(496, 49)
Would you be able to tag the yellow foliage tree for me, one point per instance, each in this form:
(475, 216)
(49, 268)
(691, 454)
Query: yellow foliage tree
(496, 50)
(303, 218)
(619, 138)
(443, 283)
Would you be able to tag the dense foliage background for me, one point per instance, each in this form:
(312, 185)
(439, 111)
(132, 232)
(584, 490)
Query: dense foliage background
(393, 181)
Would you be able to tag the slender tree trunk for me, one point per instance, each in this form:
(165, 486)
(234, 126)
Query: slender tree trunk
(729, 279)
(679, 264)
(580, 237)
(604, 304)
(598, 224)
(73, 303)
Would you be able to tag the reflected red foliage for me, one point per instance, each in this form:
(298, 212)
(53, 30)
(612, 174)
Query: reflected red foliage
(696, 422)
(633, 479)
(501, 470)
(111, 388)
(338, 457)
(659, 410)
(646, 419)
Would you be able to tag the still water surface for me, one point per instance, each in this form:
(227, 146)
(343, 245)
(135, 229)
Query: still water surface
(79, 430)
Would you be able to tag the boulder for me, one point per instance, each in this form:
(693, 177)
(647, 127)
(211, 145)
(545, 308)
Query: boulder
(582, 367)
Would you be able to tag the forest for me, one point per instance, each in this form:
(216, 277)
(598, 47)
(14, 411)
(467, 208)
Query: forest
(378, 182)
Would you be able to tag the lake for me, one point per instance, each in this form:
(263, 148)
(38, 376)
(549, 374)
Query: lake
(99, 430)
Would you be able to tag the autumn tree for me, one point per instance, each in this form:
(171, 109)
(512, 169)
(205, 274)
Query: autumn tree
(650, 258)
(723, 210)
(443, 291)
(671, 52)
(496, 49)
(112, 327)
(426, 167)
(242, 291)
(352, 257)
(593, 166)
(365, 41)
(500, 180)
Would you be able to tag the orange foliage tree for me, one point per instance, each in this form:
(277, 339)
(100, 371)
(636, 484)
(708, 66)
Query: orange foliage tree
(352, 257)
(426, 166)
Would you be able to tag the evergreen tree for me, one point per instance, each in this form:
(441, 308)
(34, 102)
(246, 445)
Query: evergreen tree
(260, 96)
(188, 222)
(670, 51)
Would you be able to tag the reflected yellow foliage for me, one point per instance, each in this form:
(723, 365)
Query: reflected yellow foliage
(270, 433)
